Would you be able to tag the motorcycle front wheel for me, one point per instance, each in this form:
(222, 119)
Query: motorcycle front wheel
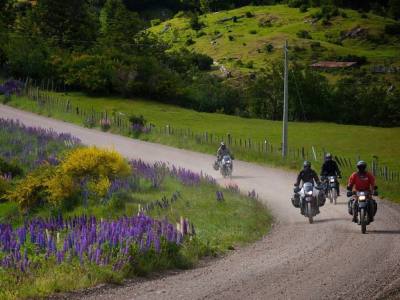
(334, 196)
(309, 210)
(363, 221)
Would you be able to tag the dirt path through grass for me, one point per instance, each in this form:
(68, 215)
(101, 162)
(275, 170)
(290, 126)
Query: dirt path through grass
(327, 260)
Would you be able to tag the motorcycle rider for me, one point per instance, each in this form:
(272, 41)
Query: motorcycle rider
(362, 180)
(222, 151)
(307, 175)
(331, 168)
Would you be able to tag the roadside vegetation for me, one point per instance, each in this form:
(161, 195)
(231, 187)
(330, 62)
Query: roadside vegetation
(348, 141)
(66, 209)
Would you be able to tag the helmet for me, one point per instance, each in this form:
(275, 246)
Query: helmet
(328, 156)
(307, 164)
(223, 145)
(361, 166)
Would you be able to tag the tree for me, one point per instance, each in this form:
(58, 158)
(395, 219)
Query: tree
(67, 23)
(394, 8)
(119, 26)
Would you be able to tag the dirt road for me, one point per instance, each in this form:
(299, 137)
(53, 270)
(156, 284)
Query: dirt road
(330, 259)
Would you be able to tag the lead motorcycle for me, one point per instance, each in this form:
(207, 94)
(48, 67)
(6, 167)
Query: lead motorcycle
(309, 200)
(225, 165)
(364, 206)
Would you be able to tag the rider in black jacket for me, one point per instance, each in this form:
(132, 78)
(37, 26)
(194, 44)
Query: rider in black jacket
(331, 168)
(307, 175)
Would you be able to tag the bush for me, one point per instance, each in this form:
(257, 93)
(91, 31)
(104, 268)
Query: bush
(297, 3)
(200, 34)
(253, 31)
(195, 23)
(303, 8)
(358, 59)
(86, 168)
(393, 29)
(231, 38)
(155, 22)
(10, 168)
(32, 190)
(303, 34)
(249, 14)
(89, 122)
(269, 48)
(190, 42)
(105, 124)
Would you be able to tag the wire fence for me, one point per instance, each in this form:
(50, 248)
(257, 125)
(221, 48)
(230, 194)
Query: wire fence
(262, 149)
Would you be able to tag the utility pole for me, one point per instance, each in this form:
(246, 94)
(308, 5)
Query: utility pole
(285, 105)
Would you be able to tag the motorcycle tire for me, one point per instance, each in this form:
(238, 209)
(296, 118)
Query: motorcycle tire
(309, 210)
(363, 221)
(334, 196)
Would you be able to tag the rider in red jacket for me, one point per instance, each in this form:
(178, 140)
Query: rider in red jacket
(363, 181)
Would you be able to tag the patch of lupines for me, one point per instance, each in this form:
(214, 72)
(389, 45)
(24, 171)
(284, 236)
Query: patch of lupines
(105, 124)
(163, 203)
(253, 195)
(84, 238)
(32, 146)
(220, 196)
(154, 172)
(233, 188)
(11, 87)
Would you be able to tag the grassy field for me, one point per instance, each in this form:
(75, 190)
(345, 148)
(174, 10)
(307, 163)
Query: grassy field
(343, 140)
(236, 44)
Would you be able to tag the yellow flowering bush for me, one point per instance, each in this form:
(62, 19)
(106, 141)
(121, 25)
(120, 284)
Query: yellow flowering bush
(93, 166)
(32, 189)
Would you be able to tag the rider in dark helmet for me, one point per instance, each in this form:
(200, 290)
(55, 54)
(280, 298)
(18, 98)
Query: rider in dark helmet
(331, 168)
(307, 175)
(222, 151)
(362, 181)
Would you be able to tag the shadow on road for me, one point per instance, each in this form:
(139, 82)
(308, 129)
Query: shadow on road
(331, 220)
(242, 177)
(384, 232)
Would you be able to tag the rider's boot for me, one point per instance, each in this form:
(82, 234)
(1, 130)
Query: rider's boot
(355, 212)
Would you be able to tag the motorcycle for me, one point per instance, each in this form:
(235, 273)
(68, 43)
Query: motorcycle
(309, 200)
(362, 207)
(226, 166)
(331, 185)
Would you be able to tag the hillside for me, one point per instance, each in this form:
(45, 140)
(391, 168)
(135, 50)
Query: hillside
(245, 43)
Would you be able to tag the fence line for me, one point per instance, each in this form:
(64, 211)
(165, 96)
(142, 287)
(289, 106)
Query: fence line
(259, 148)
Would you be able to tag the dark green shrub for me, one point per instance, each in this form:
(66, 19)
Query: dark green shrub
(253, 31)
(199, 34)
(10, 168)
(303, 8)
(303, 34)
(249, 14)
(315, 45)
(155, 22)
(190, 42)
(269, 47)
(393, 29)
(195, 23)
(231, 38)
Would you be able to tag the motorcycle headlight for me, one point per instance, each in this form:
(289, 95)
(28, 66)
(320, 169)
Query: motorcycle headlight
(309, 193)
(332, 180)
(362, 198)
